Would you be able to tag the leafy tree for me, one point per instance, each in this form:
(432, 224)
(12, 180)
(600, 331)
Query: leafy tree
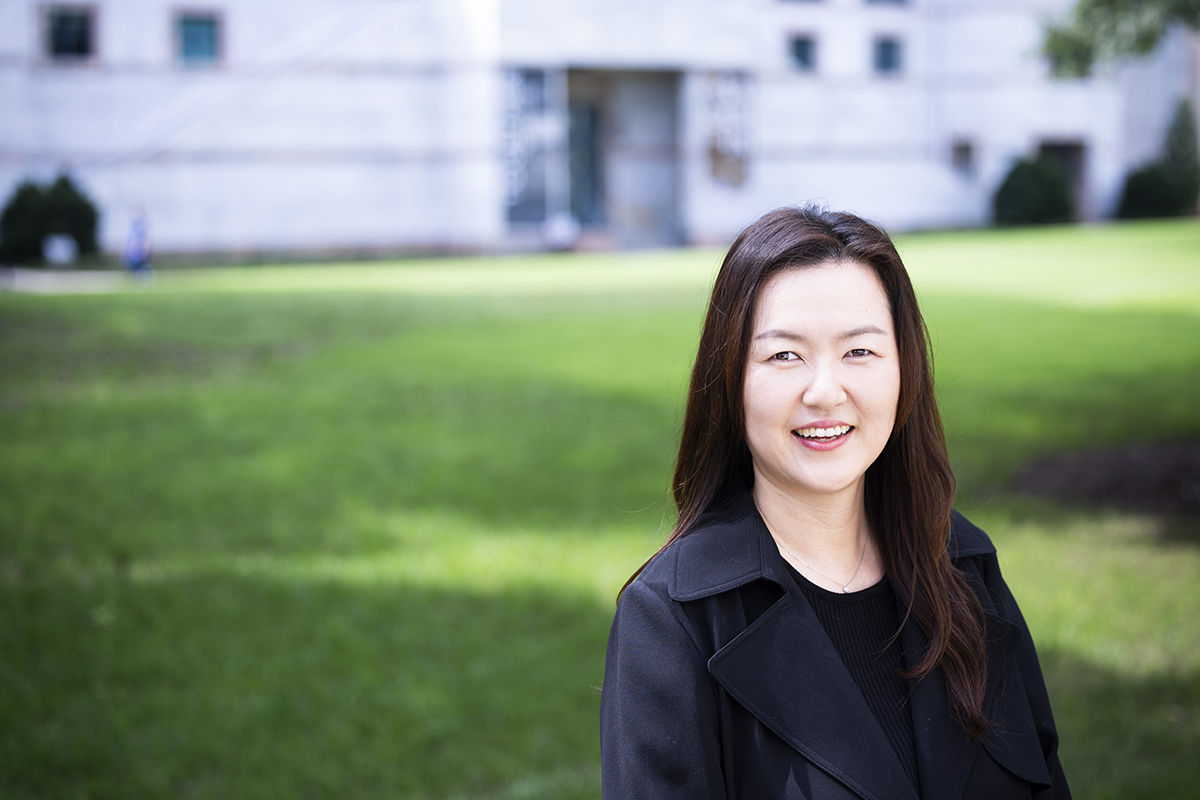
(1100, 30)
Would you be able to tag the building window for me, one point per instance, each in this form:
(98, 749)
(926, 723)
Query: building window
(729, 127)
(804, 53)
(527, 114)
(889, 56)
(962, 157)
(70, 33)
(198, 35)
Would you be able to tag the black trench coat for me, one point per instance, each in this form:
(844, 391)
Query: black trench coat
(720, 682)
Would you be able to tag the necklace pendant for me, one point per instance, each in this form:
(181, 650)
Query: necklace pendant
(846, 589)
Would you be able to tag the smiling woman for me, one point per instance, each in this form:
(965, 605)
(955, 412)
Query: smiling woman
(820, 623)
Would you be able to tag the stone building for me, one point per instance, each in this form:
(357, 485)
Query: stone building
(388, 125)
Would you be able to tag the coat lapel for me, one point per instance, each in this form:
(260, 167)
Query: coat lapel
(783, 668)
(785, 671)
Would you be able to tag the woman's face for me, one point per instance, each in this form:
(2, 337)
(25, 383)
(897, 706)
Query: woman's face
(822, 382)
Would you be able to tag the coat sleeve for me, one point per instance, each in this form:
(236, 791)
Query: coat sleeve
(659, 726)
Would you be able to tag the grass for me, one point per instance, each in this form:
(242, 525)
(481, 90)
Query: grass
(356, 530)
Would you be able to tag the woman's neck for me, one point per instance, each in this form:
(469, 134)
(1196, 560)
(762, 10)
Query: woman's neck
(826, 538)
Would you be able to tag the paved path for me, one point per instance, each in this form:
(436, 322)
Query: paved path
(63, 281)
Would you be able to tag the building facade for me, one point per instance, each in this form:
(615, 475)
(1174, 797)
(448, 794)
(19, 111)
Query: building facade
(387, 125)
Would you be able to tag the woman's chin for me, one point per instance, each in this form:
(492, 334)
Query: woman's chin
(815, 488)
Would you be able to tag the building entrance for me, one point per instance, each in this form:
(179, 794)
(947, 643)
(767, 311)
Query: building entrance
(623, 156)
(1071, 157)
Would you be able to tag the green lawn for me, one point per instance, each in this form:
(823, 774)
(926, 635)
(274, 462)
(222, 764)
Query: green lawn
(356, 530)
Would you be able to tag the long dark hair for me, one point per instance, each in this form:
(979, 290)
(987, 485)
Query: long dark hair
(909, 489)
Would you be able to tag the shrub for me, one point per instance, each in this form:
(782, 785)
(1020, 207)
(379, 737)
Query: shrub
(1181, 156)
(21, 225)
(1167, 187)
(1149, 192)
(33, 213)
(1034, 193)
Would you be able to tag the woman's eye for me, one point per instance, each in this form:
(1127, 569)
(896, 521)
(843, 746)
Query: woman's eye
(859, 352)
(785, 356)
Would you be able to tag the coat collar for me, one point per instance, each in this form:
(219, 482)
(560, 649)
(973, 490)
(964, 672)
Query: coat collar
(784, 669)
(732, 547)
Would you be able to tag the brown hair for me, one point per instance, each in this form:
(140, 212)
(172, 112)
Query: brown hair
(909, 489)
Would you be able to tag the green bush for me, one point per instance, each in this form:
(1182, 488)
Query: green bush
(1149, 192)
(1181, 156)
(21, 226)
(33, 213)
(1169, 186)
(1033, 193)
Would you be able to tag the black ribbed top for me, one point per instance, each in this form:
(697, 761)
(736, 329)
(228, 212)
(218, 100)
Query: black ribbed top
(860, 625)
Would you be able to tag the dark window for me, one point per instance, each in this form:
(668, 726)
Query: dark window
(70, 33)
(962, 156)
(586, 168)
(199, 38)
(889, 56)
(804, 53)
(1071, 158)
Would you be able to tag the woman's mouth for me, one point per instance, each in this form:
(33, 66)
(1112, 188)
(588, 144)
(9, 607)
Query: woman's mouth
(823, 438)
(823, 434)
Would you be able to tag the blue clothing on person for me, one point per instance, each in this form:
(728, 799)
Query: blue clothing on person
(137, 249)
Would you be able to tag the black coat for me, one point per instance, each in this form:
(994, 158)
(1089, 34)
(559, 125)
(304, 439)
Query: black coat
(720, 682)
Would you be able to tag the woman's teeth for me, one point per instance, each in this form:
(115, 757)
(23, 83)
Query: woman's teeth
(822, 433)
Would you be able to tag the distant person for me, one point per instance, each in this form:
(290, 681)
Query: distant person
(820, 622)
(136, 254)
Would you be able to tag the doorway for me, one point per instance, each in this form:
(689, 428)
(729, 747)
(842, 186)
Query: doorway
(1071, 158)
(624, 155)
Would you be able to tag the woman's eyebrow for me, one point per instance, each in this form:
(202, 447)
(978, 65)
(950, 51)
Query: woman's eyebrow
(863, 331)
(798, 337)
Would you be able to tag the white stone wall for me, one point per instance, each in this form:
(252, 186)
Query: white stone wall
(1151, 89)
(376, 124)
(326, 124)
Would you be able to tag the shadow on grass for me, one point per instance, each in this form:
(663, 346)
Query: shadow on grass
(212, 686)
(272, 473)
(1018, 380)
(1122, 736)
(122, 459)
(1053, 516)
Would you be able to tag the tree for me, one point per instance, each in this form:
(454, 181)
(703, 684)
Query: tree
(1102, 30)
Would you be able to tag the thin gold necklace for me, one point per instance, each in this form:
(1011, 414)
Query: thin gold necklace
(846, 587)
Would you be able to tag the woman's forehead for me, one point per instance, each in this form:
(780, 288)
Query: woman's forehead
(823, 296)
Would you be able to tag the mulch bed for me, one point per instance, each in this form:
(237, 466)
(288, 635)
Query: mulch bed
(1158, 478)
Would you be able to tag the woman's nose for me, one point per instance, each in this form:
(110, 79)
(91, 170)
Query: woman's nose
(825, 389)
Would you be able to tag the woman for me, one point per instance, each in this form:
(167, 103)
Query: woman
(820, 623)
